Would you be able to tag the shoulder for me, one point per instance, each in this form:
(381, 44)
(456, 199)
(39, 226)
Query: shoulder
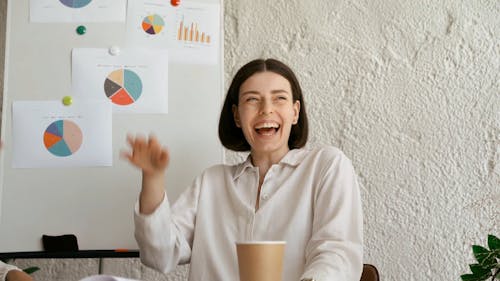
(327, 160)
(327, 154)
(219, 170)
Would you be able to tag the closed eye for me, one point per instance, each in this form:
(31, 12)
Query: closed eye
(281, 98)
(281, 95)
(250, 99)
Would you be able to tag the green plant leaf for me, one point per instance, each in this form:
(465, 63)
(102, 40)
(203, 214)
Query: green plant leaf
(31, 270)
(493, 242)
(477, 249)
(474, 277)
(468, 277)
(496, 253)
(484, 257)
(477, 269)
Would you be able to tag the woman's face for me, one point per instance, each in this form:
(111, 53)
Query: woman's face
(266, 112)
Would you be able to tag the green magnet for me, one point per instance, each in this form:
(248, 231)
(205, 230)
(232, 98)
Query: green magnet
(67, 100)
(81, 30)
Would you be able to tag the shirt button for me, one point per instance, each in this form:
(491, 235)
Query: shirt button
(265, 196)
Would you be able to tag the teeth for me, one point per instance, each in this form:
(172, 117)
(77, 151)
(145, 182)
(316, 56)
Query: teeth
(267, 126)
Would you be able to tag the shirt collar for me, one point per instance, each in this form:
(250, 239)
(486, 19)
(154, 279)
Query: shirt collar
(293, 158)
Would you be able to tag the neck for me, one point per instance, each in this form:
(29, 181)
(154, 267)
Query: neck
(264, 160)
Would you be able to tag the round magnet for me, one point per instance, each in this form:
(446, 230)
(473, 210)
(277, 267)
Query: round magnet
(114, 51)
(81, 30)
(67, 100)
(175, 3)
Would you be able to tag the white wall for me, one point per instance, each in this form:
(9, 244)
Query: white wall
(410, 91)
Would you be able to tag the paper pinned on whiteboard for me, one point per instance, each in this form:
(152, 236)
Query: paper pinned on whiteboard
(49, 134)
(136, 81)
(78, 11)
(190, 31)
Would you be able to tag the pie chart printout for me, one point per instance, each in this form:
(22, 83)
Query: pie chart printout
(123, 87)
(63, 138)
(76, 3)
(153, 24)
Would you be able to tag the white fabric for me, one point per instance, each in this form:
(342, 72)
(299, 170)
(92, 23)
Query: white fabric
(4, 269)
(310, 199)
(106, 278)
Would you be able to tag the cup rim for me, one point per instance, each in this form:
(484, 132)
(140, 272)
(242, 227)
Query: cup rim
(257, 242)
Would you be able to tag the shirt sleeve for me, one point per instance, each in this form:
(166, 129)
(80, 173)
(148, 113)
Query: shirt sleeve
(4, 269)
(335, 250)
(165, 236)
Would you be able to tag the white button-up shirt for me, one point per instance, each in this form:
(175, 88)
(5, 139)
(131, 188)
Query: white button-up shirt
(4, 269)
(310, 199)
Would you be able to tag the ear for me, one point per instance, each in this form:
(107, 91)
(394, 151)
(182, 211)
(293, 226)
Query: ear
(236, 116)
(296, 112)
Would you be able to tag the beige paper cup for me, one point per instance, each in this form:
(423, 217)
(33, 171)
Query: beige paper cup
(260, 260)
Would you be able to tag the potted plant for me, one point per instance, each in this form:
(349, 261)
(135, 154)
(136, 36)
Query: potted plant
(488, 262)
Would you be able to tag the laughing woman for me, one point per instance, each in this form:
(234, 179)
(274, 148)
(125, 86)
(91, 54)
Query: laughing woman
(308, 198)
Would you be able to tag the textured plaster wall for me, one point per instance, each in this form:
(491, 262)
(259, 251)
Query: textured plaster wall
(410, 91)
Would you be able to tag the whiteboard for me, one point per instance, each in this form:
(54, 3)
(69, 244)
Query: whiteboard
(96, 203)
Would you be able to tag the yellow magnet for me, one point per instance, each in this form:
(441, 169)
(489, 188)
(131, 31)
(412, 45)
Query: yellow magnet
(67, 100)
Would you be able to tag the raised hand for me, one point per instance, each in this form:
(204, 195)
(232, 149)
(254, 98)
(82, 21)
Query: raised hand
(147, 154)
(152, 159)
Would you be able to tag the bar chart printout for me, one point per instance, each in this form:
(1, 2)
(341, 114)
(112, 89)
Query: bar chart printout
(195, 33)
(190, 32)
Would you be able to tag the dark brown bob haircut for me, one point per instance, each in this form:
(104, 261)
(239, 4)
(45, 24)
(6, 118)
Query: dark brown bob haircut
(230, 135)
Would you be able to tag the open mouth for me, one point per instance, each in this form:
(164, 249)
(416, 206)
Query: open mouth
(267, 129)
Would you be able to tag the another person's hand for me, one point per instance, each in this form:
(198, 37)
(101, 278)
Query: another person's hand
(17, 275)
(147, 155)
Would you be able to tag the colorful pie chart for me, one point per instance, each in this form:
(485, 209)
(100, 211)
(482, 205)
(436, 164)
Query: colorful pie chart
(123, 87)
(153, 24)
(63, 138)
(76, 3)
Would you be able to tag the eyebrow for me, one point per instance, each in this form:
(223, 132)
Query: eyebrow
(278, 91)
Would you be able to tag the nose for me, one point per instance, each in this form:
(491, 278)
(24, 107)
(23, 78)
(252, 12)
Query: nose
(266, 107)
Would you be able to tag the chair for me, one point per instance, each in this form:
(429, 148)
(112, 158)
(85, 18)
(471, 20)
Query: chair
(370, 273)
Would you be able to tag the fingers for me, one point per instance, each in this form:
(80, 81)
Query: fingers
(164, 158)
(130, 139)
(152, 139)
(159, 154)
(156, 151)
(140, 151)
(125, 154)
(146, 153)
